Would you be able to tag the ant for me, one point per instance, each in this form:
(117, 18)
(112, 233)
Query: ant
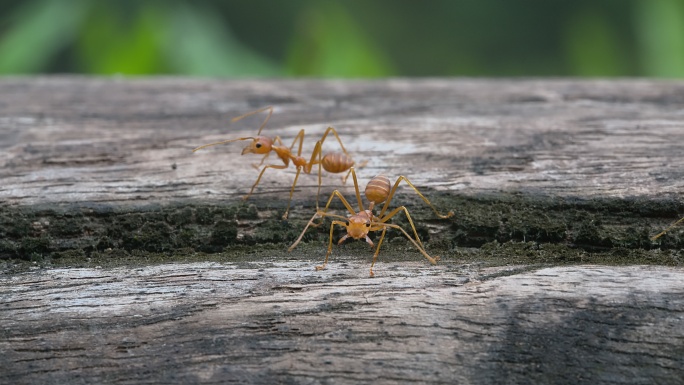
(334, 162)
(653, 238)
(360, 223)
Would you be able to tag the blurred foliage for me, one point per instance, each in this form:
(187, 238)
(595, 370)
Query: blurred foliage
(352, 38)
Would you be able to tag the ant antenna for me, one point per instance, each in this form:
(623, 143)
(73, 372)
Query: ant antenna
(221, 142)
(270, 112)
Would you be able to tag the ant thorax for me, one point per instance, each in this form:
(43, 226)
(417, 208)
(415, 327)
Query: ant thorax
(364, 215)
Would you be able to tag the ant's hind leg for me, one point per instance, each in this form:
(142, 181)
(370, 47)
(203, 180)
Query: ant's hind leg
(344, 178)
(432, 260)
(408, 216)
(394, 189)
(332, 129)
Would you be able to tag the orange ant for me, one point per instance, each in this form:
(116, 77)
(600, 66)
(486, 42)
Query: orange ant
(332, 162)
(359, 224)
(653, 238)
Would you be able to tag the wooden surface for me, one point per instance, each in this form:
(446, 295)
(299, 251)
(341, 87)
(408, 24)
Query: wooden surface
(128, 259)
(91, 164)
(282, 322)
(73, 140)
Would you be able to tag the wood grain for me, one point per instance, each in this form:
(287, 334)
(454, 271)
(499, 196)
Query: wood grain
(110, 229)
(87, 162)
(68, 140)
(281, 322)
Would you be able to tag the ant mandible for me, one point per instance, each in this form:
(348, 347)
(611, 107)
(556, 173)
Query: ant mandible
(334, 162)
(360, 223)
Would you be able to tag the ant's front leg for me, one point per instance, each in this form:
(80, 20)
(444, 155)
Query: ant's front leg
(332, 227)
(257, 166)
(277, 166)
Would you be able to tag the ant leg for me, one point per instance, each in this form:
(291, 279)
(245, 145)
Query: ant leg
(316, 153)
(332, 129)
(433, 260)
(320, 177)
(667, 229)
(324, 213)
(299, 239)
(262, 161)
(327, 205)
(408, 216)
(394, 189)
(344, 178)
(318, 213)
(344, 202)
(300, 138)
(281, 167)
(356, 187)
(329, 130)
(362, 164)
(356, 165)
(332, 227)
(287, 210)
(377, 250)
(270, 112)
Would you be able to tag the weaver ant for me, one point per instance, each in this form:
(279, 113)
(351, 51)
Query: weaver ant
(360, 223)
(653, 238)
(334, 162)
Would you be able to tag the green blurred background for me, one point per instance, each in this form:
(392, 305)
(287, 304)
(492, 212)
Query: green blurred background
(354, 38)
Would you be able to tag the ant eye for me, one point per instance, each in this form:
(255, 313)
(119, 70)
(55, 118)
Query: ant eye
(258, 145)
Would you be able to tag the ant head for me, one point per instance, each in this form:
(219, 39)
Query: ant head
(358, 226)
(259, 145)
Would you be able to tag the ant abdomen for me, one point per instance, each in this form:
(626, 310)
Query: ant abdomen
(378, 189)
(337, 162)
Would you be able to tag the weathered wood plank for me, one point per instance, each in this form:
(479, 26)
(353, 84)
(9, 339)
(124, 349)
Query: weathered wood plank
(88, 163)
(540, 173)
(281, 322)
(97, 140)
